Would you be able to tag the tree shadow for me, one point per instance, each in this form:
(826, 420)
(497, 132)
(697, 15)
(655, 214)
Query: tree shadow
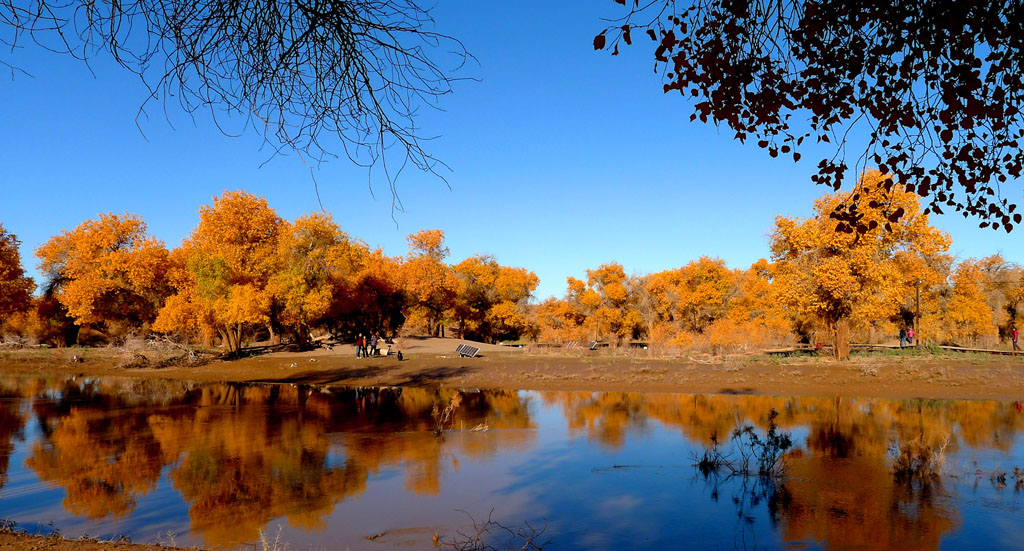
(332, 375)
(435, 375)
(742, 390)
(430, 376)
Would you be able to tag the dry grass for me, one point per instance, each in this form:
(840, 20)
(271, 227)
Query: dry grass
(275, 544)
(491, 535)
(915, 460)
(444, 418)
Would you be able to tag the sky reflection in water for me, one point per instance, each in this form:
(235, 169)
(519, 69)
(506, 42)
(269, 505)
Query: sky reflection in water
(214, 464)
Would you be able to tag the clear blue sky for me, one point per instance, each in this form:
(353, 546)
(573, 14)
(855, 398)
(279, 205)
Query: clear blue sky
(563, 159)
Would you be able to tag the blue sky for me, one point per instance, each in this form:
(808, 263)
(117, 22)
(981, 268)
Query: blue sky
(562, 159)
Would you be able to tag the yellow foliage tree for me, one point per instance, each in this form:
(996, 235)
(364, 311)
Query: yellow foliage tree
(431, 284)
(968, 314)
(559, 321)
(754, 314)
(107, 270)
(491, 302)
(839, 277)
(694, 296)
(15, 287)
(224, 270)
(607, 301)
(317, 262)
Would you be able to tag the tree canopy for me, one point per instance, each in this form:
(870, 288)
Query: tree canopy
(15, 287)
(298, 73)
(935, 86)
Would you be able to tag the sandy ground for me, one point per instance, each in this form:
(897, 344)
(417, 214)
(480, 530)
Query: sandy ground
(433, 362)
(21, 542)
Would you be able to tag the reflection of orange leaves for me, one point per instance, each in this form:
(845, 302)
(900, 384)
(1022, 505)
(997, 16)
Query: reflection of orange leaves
(859, 506)
(102, 468)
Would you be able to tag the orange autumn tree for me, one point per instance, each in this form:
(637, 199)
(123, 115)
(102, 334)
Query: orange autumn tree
(224, 270)
(15, 287)
(687, 300)
(754, 314)
(968, 315)
(316, 261)
(838, 277)
(558, 321)
(430, 283)
(607, 301)
(999, 281)
(379, 301)
(1016, 303)
(107, 271)
(491, 302)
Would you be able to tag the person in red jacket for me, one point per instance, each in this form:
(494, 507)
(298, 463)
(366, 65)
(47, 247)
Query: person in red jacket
(1014, 334)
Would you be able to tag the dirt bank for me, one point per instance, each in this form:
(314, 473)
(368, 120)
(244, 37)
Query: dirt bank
(23, 542)
(432, 362)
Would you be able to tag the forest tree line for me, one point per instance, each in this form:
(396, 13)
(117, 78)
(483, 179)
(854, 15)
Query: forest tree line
(245, 274)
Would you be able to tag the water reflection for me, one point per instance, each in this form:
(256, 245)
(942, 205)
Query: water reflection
(241, 456)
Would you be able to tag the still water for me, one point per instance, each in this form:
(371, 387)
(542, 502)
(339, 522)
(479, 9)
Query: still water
(343, 468)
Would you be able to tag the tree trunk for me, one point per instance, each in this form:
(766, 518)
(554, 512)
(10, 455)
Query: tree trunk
(71, 334)
(231, 338)
(841, 340)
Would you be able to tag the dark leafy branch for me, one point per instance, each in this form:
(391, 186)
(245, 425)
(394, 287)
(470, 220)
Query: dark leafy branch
(301, 73)
(935, 86)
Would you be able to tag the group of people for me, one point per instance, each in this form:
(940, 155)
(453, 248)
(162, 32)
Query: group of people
(906, 337)
(369, 345)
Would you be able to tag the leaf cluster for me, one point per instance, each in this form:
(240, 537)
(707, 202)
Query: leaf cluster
(934, 87)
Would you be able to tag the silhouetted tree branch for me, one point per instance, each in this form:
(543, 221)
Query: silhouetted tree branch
(935, 85)
(299, 72)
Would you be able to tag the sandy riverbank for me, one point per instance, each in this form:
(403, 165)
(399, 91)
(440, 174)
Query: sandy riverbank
(432, 362)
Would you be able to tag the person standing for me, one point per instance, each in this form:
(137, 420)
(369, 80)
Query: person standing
(910, 336)
(1015, 334)
(903, 337)
(373, 344)
(359, 346)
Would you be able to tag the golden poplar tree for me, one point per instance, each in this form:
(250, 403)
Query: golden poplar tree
(608, 301)
(316, 264)
(107, 270)
(15, 287)
(840, 276)
(224, 271)
(430, 283)
(491, 299)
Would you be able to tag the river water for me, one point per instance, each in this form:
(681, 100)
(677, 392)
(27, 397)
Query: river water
(216, 465)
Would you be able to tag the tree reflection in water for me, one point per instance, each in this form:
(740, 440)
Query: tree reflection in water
(241, 455)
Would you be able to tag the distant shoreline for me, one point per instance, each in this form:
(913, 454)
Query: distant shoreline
(433, 362)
